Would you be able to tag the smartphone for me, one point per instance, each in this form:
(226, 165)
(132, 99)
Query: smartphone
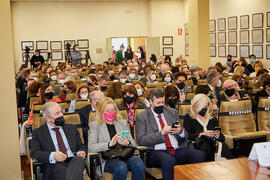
(217, 128)
(124, 134)
(175, 123)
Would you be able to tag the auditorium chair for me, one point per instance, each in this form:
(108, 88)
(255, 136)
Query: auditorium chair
(81, 103)
(238, 126)
(263, 116)
(255, 90)
(78, 81)
(202, 82)
(252, 84)
(71, 96)
(118, 101)
(183, 109)
(190, 95)
(189, 83)
(156, 85)
(83, 73)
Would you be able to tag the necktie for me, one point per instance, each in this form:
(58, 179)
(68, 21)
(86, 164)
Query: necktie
(168, 143)
(60, 141)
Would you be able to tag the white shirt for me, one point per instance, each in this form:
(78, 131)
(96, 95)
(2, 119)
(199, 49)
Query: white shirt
(173, 140)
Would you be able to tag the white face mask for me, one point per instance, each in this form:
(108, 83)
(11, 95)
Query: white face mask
(167, 79)
(61, 81)
(77, 49)
(143, 66)
(54, 78)
(123, 80)
(131, 76)
(219, 83)
(84, 96)
(139, 92)
(153, 77)
(136, 68)
(35, 78)
(196, 73)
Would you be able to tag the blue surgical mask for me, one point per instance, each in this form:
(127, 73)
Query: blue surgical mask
(37, 54)
(252, 60)
(139, 92)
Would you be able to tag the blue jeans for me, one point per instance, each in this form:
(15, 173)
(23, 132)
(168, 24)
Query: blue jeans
(120, 168)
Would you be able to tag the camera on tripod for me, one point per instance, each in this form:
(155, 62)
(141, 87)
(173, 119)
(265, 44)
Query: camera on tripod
(68, 45)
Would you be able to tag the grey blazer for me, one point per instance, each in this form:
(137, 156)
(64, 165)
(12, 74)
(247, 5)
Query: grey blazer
(99, 136)
(147, 131)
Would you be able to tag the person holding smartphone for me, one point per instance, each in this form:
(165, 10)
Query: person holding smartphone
(203, 123)
(108, 130)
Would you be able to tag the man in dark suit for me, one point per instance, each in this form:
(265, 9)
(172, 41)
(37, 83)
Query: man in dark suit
(169, 146)
(179, 79)
(59, 146)
(150, 76)
(84, 112)
(214, 82)
(37, 59)
(265, 92)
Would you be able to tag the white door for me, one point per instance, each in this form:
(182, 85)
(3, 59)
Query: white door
(152, 47)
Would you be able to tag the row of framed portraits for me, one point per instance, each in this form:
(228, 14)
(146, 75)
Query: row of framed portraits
(54, 45)
(54, 55)
(232, 22)
(257, 36)
(244, 51)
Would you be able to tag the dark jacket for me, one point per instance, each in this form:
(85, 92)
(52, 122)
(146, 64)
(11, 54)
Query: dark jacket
(261, 93)
(129, 56)
(36, 59)
(42, 145)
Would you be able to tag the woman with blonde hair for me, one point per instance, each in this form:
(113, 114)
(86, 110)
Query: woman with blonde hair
(105, 134)
(202, 126)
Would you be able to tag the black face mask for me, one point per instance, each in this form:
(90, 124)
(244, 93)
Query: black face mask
(65, 91)
(240, 84)
(60, 121)
(229, 60)
(172, 102)
(203, 112)
(181, 85)
(129, 99)
(103, 88)
(158, 109)
(230, 92)
(89, 84)
(112, 77)
(49, 95)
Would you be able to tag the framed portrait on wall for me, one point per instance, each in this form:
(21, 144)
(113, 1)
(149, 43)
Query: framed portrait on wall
(83, 43)
(268, 35)
(57, 55)
(42, 45)
(45, 55)
(244, 37)
(232, 23)
(167, 51)
(268, 19)
(212, 25)
(187, 50)
(213, 38)
(244, 22)
(244, 51)
(257, 50)
(30, 56)
(232, 37)
(222, 24)
(29, 44)
(167, 40)
(56, 45)
(268, 51)
(221, 37)
(232, 50)
(257, 36)
(257, 20)
(213, 51)
(71, 42)
(221, 51)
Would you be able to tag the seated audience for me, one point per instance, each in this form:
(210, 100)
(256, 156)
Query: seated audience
(150, 76)
(164, 68)
(122, 77)
(133, 75)
(168, 78)
(105, 134)
(91, 80)
(169, 146)
(265, 92)
(58, 146)
(258, 65)
(214, 83)
(141, 92)
(102, 83)
(250, 66)
(179, 80)
(202, 123)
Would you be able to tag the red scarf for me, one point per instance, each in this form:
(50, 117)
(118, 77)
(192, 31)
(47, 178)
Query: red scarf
(131, 114)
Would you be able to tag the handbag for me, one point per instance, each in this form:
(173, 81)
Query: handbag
(118, 151)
